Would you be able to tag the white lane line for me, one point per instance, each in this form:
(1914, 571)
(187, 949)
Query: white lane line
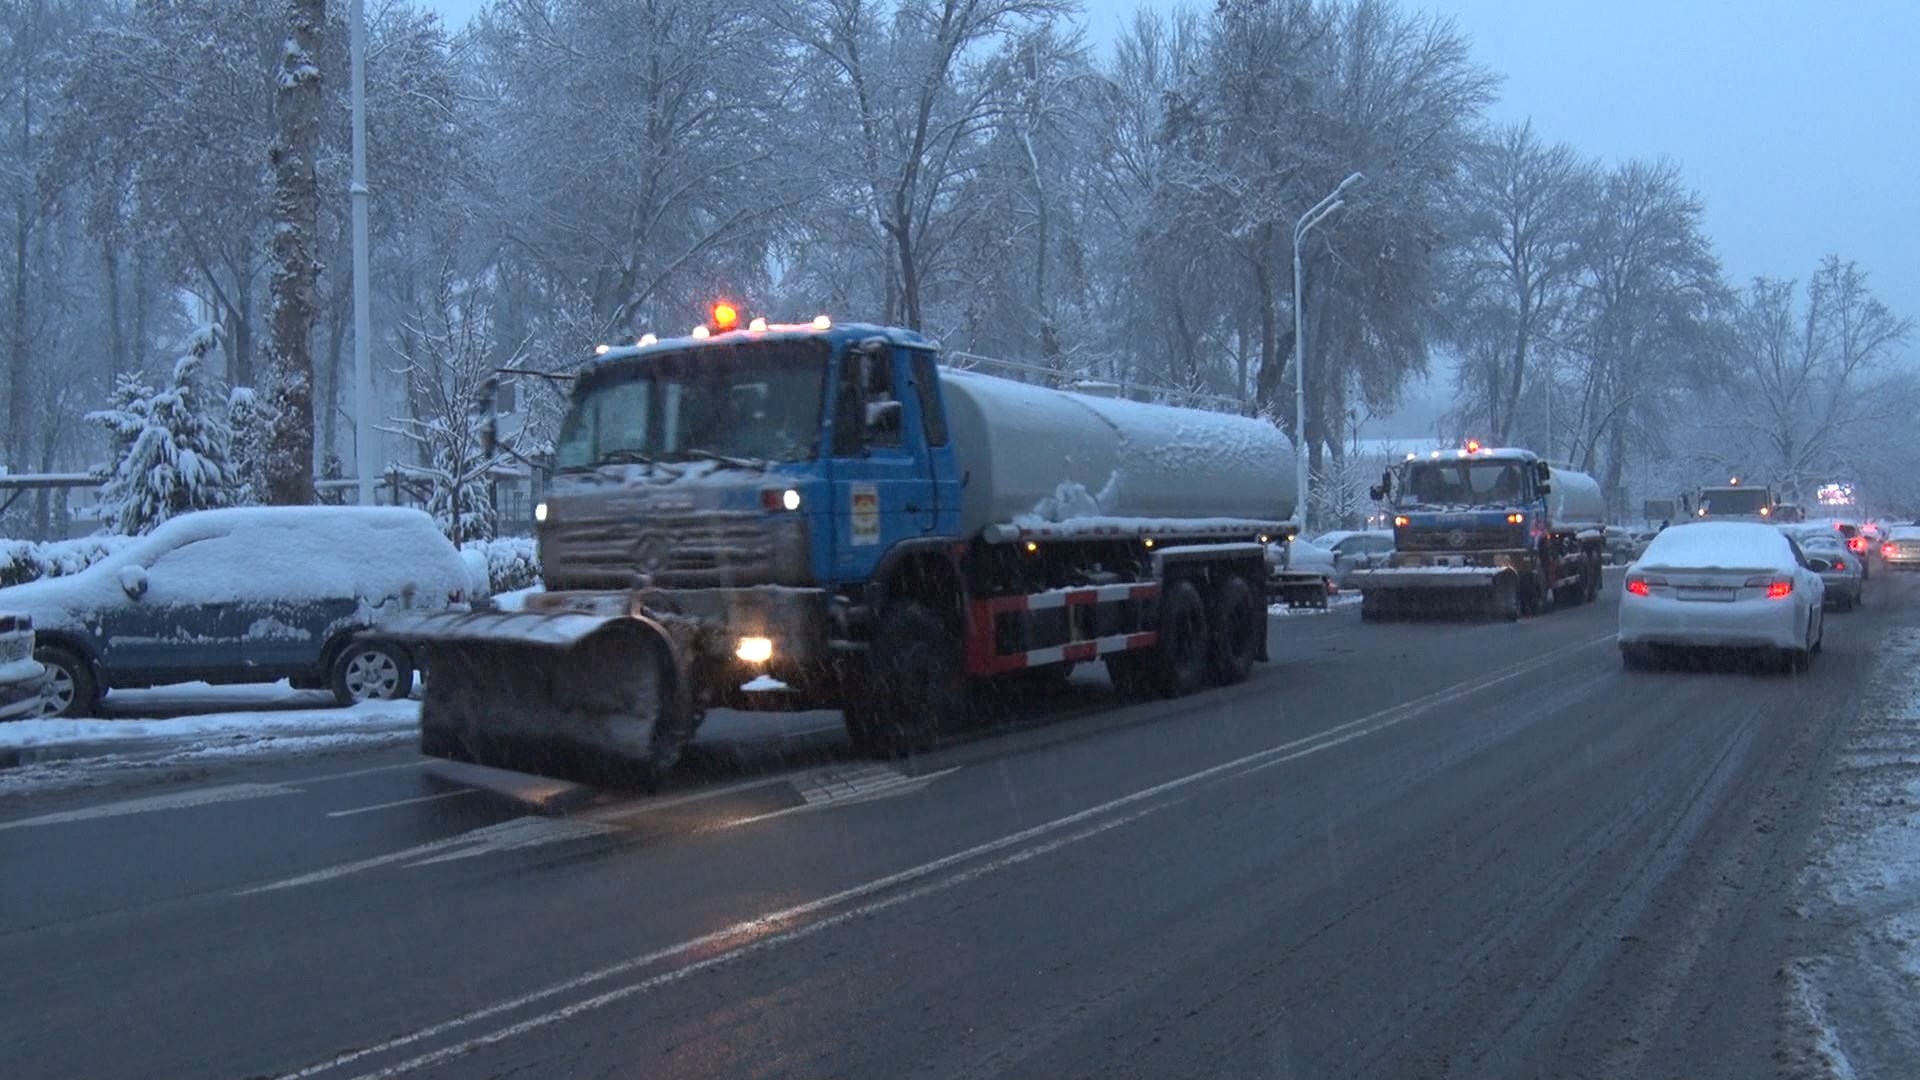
(324, 778)
(775, 927)
(648, 806)
(402, 802)
(523, 832)
(179, 800)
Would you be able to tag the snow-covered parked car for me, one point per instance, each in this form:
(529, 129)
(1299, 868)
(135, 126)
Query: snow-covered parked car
(23, 680)
(1722, 585)
(245, 595)
(1368, 549)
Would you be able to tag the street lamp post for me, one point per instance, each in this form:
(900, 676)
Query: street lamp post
(1307, 221)
(363, 434)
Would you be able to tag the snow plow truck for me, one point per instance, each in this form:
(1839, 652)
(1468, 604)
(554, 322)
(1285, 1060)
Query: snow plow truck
(1486, 531)
(827, 510)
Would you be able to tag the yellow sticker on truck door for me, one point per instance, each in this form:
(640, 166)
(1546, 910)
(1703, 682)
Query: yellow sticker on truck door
(865, 503)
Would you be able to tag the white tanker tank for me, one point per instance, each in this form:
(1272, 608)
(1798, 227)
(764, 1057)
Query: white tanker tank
(1574, 498)
(1031, 454)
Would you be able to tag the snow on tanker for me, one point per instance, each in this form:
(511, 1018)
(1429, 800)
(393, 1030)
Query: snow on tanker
(826, 506)
(1487, 529)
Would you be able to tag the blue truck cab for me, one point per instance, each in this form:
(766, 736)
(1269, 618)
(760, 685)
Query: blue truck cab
(756, 481)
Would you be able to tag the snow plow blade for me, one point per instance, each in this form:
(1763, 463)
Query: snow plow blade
(1437, 590)
(599, 699)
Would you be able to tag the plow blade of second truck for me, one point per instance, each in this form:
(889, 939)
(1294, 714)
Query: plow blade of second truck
(1437, 590)
(579, 696)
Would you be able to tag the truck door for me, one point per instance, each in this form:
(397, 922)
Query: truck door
(882, 489)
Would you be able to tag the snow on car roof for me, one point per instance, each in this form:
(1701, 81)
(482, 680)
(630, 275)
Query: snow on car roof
(1719, 545)
(380, 556)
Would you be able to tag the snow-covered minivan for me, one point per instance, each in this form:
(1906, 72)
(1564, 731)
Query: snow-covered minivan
(246, 595)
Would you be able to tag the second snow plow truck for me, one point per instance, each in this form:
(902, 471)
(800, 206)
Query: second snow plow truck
(1481, 530)
(827, 508)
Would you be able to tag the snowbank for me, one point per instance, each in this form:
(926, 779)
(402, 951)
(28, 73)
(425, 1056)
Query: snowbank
(237, 726)
(1851, 1003)
(1719, 545)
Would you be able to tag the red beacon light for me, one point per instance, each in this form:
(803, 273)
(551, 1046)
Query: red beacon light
(725, 317)
(1473, 446)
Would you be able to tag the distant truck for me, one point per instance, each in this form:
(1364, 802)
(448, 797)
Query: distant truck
(823, 509)
(1735, 501)
(1490, 530)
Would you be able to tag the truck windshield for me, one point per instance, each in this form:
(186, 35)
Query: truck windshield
(1744, 501)
(750, 403)
(1462, 483)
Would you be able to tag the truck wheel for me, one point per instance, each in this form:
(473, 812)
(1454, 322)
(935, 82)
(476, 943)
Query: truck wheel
(916, 689)
(1182, 652)
(73, 691)
(1236, 625)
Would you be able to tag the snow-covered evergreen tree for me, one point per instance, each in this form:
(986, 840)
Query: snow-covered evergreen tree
(251, 420)
(171, 446)
(462, 494)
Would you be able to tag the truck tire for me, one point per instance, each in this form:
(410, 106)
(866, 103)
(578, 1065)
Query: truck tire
(1177, 664)
(915, 687)
(1236, 624)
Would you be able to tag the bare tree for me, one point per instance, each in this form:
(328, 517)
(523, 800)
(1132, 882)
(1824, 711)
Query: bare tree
(917, 104)
(447, 350)
(296, 203)
(1523, 206)
(1812, 376)
(1645, 328)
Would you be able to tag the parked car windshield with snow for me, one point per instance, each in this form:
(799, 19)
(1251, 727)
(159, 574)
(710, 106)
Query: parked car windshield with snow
(248, 595)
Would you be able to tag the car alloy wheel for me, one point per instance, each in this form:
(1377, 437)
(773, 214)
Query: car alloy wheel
(372, 675)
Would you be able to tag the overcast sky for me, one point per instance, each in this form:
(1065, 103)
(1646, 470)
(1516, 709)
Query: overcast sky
(1796, 121)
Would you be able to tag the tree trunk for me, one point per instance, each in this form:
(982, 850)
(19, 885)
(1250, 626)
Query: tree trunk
(116, 324)
(329, 425)
(296, 269)
(139, 336)
(902, 229)
(17, 446)
(240, 332)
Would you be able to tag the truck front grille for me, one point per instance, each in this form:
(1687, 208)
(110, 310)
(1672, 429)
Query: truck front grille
(1471, 539)
(668, 551)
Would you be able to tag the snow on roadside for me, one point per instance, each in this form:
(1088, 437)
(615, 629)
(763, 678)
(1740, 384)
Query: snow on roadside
(234, 727)
(1337, 601)
(1848, 1007)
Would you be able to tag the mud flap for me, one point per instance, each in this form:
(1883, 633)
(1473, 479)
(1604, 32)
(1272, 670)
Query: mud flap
(601, 699)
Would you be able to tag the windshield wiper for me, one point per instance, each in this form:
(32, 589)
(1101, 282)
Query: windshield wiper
(627, 456)
(724, 459)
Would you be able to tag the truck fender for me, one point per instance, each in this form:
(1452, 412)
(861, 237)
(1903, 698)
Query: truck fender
(942, 547)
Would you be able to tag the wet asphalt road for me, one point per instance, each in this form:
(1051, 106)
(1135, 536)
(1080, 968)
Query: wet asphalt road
(1419, 850)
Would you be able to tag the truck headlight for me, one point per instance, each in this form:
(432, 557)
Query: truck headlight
(540, 512)
(754, 650)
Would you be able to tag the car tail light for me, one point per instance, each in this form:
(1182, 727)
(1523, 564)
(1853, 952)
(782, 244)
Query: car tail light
(1839, 564)
(1778, 589)
(1856, 544)
(1638, 586)
(1887, 550)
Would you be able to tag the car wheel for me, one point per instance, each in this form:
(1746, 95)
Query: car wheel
(72, 690)
(371, 671)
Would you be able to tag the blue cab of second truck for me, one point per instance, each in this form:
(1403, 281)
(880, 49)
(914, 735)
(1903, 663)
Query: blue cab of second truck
(884, 469)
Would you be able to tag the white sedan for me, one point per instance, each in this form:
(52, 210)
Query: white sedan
(1722, 585)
